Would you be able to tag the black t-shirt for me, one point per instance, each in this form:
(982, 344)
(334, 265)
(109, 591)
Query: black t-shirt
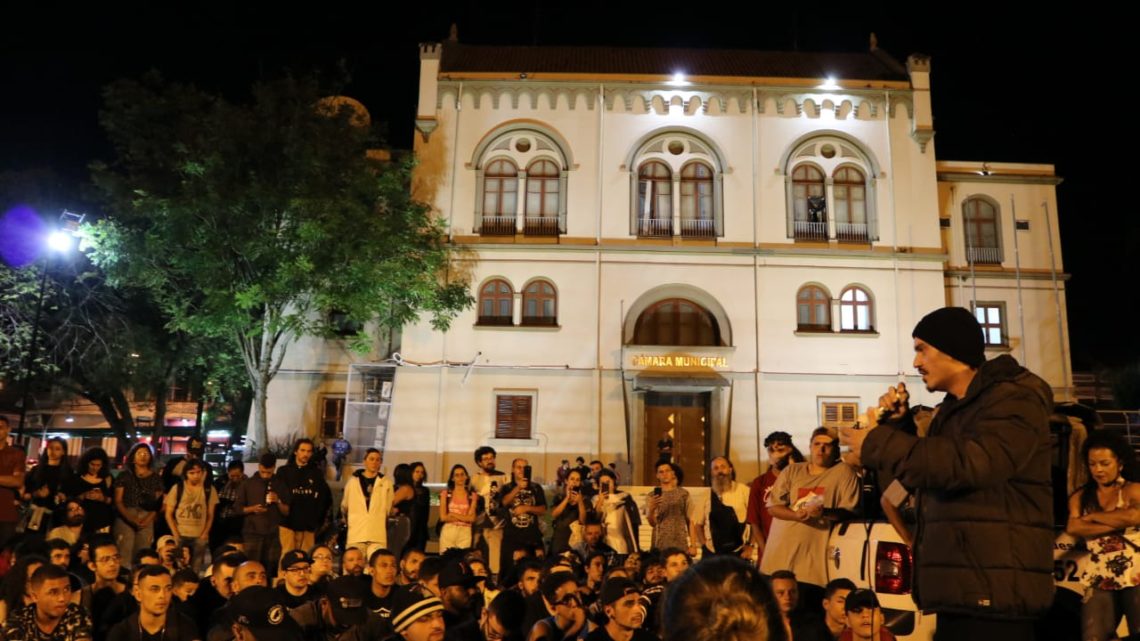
(382, 606)
(290, 601)
(523, 527)
(366, 485)
(178, 628)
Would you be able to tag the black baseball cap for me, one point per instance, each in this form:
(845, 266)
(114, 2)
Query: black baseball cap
(860, 599)
(455, 572)
(293, 557)
(615, 588)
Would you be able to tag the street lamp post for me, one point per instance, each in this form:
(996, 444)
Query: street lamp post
(59, 241)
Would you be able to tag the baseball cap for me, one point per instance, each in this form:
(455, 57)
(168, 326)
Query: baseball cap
(456, 573)
(293, 557)
(860, 599)
(615, 588)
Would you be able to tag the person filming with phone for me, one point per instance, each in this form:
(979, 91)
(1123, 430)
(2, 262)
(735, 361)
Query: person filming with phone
(522, 505)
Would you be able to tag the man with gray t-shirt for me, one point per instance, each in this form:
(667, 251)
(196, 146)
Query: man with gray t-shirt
(803, 501)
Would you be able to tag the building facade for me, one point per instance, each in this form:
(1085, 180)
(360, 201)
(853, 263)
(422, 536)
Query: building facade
(690, 249)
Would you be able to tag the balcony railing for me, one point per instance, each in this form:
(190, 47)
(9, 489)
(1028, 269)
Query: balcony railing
(851, 232)
(696, 228)
(539, 321)
(806, 230)
(540, 226)
(655, 227)
(497, 321)
(498, 226)
(984, 255)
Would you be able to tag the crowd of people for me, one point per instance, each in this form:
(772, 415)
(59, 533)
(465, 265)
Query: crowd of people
(262, 557)
(176, 552)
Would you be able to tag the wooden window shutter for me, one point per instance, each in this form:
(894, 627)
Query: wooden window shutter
(840, 414)
(512, 416)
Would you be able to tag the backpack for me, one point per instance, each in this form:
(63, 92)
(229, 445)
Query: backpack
(180, 487)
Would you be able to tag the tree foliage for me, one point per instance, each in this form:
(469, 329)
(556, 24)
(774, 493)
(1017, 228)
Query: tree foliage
(254, 219)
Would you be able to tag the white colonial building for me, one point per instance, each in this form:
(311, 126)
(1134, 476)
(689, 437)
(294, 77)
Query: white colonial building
(713, 244)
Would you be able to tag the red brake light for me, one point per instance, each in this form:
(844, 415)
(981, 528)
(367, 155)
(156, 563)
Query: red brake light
(893, 568)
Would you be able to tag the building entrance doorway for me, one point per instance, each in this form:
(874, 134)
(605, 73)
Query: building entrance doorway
(677, 425)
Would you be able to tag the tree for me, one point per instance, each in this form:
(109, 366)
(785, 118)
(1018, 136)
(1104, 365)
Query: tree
(256, 219)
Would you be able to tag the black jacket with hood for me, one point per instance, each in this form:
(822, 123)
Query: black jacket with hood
(984, 543)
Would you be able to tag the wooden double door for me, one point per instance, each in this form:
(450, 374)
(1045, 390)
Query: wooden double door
(677, 425)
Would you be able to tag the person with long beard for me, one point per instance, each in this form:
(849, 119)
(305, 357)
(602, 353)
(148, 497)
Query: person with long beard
(723, 529)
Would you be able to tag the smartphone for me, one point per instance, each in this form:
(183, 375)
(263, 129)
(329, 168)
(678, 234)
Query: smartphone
(527, 472)
(657, 491)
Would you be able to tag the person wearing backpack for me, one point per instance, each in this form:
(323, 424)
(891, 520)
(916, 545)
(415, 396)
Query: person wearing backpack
(190, 508)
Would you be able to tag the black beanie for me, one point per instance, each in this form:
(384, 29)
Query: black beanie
(955, 332)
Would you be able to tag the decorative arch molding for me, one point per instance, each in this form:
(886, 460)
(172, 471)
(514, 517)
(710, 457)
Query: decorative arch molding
(873, 101)
(797, 146)
(659, 100)
(676, 290)
(642, 144)
(535, 128)
(558, 94)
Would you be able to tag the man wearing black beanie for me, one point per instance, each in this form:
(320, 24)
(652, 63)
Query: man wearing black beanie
(984, 541)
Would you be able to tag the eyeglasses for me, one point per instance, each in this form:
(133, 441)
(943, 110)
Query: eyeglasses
(300, 569)
(109, 559)
(322, 557)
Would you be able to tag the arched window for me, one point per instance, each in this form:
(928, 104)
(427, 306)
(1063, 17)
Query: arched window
(983, 236)
(499, 182)
(676, 173)
(542, 198)
(655, 198)
(496, 303)
(809, 202)
(850, 192)
(676, 321)
(697, 201)
(813, 309)
(845, 211)
(500, 197)
(540, 304)
(856, 312)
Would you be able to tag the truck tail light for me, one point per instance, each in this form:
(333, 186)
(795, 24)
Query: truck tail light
(893, 568)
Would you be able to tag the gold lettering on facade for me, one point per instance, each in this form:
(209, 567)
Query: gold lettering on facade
(646, 360)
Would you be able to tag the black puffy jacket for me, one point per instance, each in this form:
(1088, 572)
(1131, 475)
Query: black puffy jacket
(984, 544)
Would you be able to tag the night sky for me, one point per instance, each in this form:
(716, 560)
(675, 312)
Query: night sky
(1008, 87)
